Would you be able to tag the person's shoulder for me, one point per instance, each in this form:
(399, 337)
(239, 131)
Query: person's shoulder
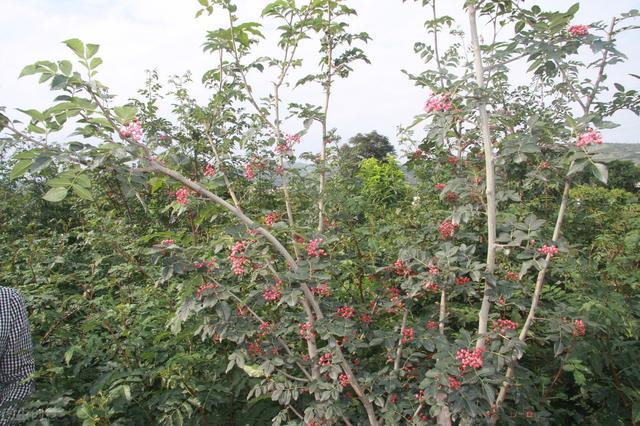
(10, 295)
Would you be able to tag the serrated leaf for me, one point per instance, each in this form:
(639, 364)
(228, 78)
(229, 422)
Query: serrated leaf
(59, 81)
(573, 9)
(20, 168)
(125, 113)
(92, 49)
(62, 180)
(76, 45)
(83, 180)
(27, 155)
(601, 172)
(28, 70)
(126, 390)
(576, 167)
(95, 62)
(69, 354)
(558, 348)
(65, 67)
(56, 195)
(82, 192)
(489, 392)
(33, 113)
(253, 371)
(40, 163)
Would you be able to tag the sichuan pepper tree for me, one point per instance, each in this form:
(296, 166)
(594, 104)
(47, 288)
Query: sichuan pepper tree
(421, 340)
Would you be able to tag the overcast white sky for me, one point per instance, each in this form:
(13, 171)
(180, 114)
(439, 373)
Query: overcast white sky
(136, 35)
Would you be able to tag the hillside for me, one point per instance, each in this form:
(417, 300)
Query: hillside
(624, 151)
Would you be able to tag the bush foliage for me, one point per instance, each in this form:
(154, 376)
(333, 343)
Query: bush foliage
(189, 271)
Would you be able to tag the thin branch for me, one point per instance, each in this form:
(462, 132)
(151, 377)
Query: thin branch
(442, 316)
(296, 412)
(312, 348)
(603, 64)
(536, 297)
(25, 136)
(323, 146)
(574, 93)
(483, 315)
(159, 167)
(403, 325)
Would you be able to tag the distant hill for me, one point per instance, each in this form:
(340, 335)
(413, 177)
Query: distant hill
(623, 151)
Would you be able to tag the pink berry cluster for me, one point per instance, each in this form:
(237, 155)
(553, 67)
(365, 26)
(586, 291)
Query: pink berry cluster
(249, 173)
(470, 358)
(254, 349)
(346, 312)
(205, 287)
(344, 380)
(210, 264)
(440, 186)
(365, 318)
(322, 290)
(578, 30)
(313, 250)
(209, 170)
(409, 372)
(132, 130)
(512, 276)
(431, 286)
(438, 103)
(407, 335)
(305, 329)
(447, 229)
(282, 148)
(590, 137)
(238, 258)
(454, 383)
(395, 297)
(325, 360)
(503, 325)
(271, 218)
(431, 325)
(423, 417)
(167, 242)
(264, 329)
(289, 141)
(272, 293)
(579, 328)
(462, 280)
(550, 250)
(182, 196)
(401, 267)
